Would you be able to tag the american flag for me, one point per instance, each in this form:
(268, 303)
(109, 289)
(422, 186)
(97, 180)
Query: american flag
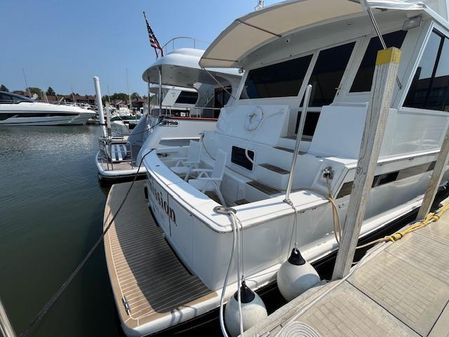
(153, 40)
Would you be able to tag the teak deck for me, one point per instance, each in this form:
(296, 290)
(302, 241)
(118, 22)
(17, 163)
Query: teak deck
(118, 166)
(144, 272)
(399, 289)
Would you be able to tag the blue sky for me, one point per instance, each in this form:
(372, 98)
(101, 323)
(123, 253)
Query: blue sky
(63, 44)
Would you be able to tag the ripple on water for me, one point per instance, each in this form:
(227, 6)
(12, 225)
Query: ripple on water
(51, 210)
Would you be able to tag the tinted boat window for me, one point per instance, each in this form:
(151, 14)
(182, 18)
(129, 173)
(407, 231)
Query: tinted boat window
(309, 124)
(187, 97)
(327, 73)
(4, 98)
(430, 86)
(277, 80)
(221, 96)
(364, 78)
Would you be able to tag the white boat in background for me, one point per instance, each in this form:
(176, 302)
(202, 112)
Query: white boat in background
(186, 101)
(245, 163)
(20, 110)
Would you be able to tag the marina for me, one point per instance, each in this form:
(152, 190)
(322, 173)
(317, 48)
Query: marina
(290, 179)
(71, 230)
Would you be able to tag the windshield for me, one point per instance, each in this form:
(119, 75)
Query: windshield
(6, 97)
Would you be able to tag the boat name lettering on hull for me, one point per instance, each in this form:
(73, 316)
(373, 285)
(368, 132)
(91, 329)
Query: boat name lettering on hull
(162, 202)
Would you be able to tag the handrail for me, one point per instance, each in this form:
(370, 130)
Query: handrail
(176, 38)
(6, 328)
(298, 142)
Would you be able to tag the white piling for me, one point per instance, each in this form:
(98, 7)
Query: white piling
(100, 105)
(387, 64)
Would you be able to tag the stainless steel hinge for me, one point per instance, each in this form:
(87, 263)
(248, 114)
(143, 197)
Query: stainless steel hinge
(126, 305)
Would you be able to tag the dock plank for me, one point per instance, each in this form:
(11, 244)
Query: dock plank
(345, 313)
(412, 295)
(401, 289)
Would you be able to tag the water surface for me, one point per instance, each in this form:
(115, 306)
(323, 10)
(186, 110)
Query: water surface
(51, 210)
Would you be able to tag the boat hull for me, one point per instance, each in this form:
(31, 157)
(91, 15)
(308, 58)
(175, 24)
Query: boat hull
(43, 114)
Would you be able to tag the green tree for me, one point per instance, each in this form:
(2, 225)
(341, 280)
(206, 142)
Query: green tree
(50, 92)
(135, 96)
(119, 97)
(3, 88)
(34, 90)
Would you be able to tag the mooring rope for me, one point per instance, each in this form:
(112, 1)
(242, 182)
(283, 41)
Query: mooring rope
(53, 299)
(428, 219)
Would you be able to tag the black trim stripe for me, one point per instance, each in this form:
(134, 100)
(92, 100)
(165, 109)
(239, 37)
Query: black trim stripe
(385, 178)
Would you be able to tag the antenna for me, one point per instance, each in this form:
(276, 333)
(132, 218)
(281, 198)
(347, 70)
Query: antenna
(260, 5)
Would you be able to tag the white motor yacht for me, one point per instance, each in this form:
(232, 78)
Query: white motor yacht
(186, 101)
(20, 110)
(245, 163)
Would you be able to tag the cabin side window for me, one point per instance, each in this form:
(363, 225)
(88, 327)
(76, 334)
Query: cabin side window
(430, 85)
(325, 79)
(221, 96)
(277, 80)
(327, 73)
(364, 77)
(187, 97)
(4, 98)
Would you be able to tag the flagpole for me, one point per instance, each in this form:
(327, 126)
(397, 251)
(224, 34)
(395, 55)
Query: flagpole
(153, 40)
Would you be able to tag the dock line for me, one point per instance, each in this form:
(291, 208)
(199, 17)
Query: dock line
(429, 218)
(53, 299)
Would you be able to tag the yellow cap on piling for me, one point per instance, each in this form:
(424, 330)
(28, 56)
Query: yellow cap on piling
(390, 55)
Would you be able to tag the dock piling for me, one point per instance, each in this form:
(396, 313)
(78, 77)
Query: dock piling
(100, 105)
(387, 64)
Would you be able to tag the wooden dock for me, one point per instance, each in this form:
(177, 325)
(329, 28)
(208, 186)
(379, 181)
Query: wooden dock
(399, 288)
(148, 281)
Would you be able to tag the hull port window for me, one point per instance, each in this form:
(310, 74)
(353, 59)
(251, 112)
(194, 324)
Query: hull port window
(277, 80)
(382, 179)
(430, 86)
(364, 78)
